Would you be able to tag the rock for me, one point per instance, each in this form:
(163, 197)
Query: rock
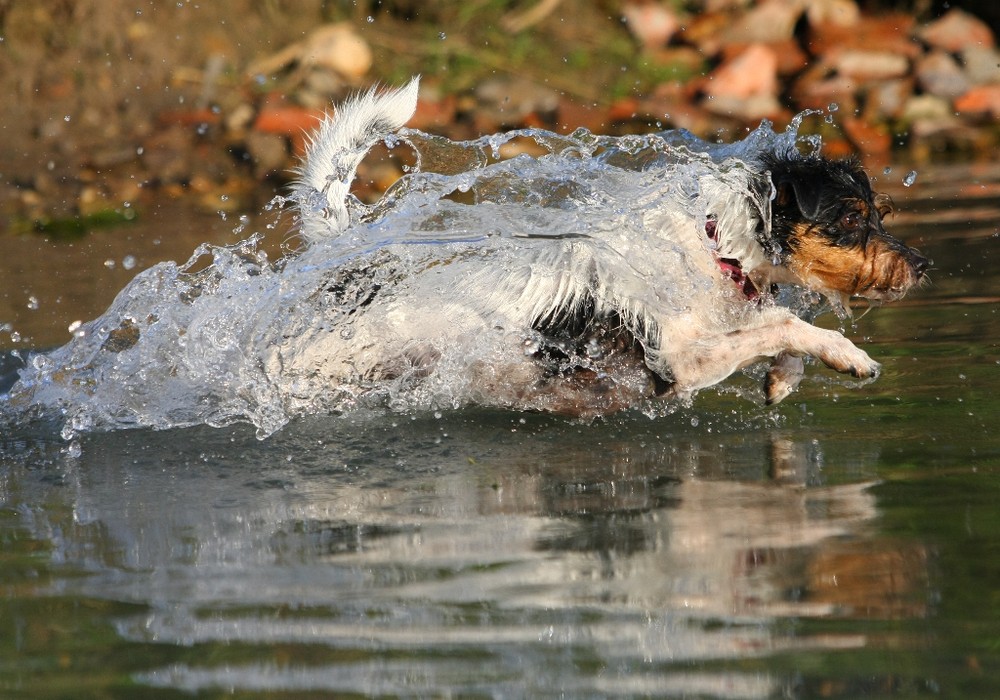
(981, 64)
(956, 30)
(747, 109)
(275, 117)
(91, 200)
(240, 118)
(939, 74)
(864, 65)
(434, 112)
(948, 129)
(791, 58)
(867, 137)
(751, 73)
(838, 13)
(651, 23)
(338, 48)
(704, 31)
(926, 108)
(334, 46)
(770, 21)
(889, 33)
(680, 115)
(573, 115)
(981, 100)
(325, 82)
(745, 86)
(509, 102)
(813, 91)
(269, 153)
(167, 153)
(885, 99)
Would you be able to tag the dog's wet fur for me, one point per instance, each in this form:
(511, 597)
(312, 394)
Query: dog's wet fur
(584, 348)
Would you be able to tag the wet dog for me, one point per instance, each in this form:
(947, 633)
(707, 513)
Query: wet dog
(584, 333)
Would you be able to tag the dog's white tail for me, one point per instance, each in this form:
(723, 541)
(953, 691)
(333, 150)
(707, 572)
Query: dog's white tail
(335, 151)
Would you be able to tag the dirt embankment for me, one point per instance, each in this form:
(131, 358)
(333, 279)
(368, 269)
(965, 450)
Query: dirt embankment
(111, 102)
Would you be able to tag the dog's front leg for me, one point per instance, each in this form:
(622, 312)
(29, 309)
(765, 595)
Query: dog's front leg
(783, 377)
(707, 360)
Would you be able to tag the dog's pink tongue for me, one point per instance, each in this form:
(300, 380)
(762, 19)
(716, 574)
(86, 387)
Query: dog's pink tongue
(730, 267)
(733, 271)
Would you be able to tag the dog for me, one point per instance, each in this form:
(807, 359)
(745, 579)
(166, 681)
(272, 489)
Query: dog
(575, 330)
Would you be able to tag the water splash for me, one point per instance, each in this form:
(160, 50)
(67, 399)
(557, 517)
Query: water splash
(198, 342)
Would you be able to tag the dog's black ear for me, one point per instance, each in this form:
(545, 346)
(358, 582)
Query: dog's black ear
(806, 194)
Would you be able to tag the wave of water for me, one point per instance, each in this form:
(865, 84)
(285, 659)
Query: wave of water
(193, 343)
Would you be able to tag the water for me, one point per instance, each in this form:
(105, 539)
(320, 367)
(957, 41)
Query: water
(843, 544)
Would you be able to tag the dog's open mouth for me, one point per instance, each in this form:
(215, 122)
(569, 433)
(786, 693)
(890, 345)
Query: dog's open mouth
(731, 267)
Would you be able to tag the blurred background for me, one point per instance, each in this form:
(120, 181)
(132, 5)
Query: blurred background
(111, 103)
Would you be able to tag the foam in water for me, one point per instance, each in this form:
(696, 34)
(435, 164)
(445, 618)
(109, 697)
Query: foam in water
(198, 343)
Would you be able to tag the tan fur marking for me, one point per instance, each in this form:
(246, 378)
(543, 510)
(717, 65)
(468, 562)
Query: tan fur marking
(876, 271)
(821, 264)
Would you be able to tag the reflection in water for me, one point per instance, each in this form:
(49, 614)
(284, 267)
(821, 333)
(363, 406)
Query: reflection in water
(445, 556)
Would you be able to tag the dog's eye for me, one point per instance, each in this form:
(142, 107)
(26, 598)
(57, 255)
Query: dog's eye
(851, 221)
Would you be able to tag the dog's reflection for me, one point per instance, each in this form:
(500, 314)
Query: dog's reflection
(739, 528)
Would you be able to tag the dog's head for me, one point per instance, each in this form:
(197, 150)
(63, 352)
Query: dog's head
(827, 222)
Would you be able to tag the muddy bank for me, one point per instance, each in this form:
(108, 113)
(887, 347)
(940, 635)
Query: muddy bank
(115, 102)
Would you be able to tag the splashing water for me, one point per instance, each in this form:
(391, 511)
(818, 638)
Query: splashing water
(196, 343)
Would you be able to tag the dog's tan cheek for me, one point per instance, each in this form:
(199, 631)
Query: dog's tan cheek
(832, 267)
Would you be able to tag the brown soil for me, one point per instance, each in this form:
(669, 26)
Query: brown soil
(109, 101)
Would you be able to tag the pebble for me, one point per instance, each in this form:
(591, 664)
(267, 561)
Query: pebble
(651, 23)
(939, 74)
(956, 30)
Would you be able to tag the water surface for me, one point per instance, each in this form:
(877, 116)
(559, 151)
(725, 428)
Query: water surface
(844, 544)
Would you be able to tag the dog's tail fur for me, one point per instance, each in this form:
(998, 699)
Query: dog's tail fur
(335, 151)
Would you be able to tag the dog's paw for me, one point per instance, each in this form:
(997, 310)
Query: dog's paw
(870, 370)
(842, 355)
(783, 377)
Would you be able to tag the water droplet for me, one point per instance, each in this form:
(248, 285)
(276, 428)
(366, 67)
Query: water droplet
(694, 422)
(369, 19)
(128, 262)
(832, 107)
(33, 303)
(67, 118)
(910, 178)
(76, 328)
(442, 36)
(244, 220)
(109, 263)
(886, 170)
